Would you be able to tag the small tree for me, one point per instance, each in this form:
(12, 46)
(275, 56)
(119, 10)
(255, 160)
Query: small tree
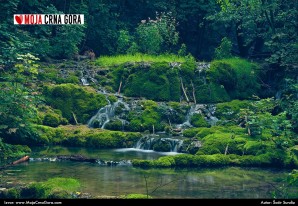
(158, 35)
(224, 49)
(124, 41)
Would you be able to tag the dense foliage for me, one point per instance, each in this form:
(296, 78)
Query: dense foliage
(222, 75)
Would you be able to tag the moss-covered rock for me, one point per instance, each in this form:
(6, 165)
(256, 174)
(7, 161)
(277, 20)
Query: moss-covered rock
(75, 102)
(97, 138)
(237, 76)
(230, 110)
(162, 146)
(148, 118)
(190, 132)
(52, 188)
(211, 93)
(197, 120)
(278, 159)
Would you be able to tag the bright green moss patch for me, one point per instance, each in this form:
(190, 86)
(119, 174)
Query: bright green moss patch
(135, 196)
(230, 110)
(97, 138)
(82, 136)
(148, 118)
(75, 102)
(272, 159)
(8, 151)
(121, 59)
(237, 76)
(197, 120)
(211, 93)
(53, 188)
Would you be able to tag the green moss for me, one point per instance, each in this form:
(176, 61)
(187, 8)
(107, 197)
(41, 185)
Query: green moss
(142, 163)
(257, 147)
(162, 146)
(73, 100)
(237, 76)
(155, 81)
(46, 135)
(277, 159)
(13, 193)
(51, 120)
(230, 110)
(211, 93)
(51, 188)
(236, 130)
(224, 142)
(197, 120)
(191, 132)
(96, 138)
(50, 73)
(9, 151)
(112, 98)
(167, 161)
(135, 196)
(148, 118)
(115, 125)
(138, 57)
(151, 83)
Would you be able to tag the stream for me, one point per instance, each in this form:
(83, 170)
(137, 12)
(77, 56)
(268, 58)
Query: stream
(102, 180)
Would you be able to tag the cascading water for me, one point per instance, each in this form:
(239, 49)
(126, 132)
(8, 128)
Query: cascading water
(149, 142)
(106, 114)
(187, 123)
(84, 81)
(206, 110)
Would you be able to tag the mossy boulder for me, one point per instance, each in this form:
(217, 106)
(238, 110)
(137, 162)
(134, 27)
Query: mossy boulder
(52, 188)
(211, 93)
(230, 110)
(96, 138)
(197, 120)
(147, 118)
(162, 146)
(237, 76)
(75, 102)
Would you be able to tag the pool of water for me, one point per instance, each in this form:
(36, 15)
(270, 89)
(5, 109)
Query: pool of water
(230, 182)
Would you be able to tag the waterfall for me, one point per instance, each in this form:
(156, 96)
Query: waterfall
(149, 141)
(207, 110)
(106, 114)
(84, 82)
(187, 123)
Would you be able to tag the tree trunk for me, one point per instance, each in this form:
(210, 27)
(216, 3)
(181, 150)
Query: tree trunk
(184, 90)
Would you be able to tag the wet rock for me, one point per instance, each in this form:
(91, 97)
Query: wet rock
(76, 158)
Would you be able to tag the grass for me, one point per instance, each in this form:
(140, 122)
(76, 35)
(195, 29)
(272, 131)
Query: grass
(120, 59)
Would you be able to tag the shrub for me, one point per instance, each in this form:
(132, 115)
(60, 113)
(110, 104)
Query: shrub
(51, 120)
(224, 50)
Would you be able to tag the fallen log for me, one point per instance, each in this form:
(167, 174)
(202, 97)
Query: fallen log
(23, 159)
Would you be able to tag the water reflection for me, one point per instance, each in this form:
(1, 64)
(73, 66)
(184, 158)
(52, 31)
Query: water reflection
(99, 180)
